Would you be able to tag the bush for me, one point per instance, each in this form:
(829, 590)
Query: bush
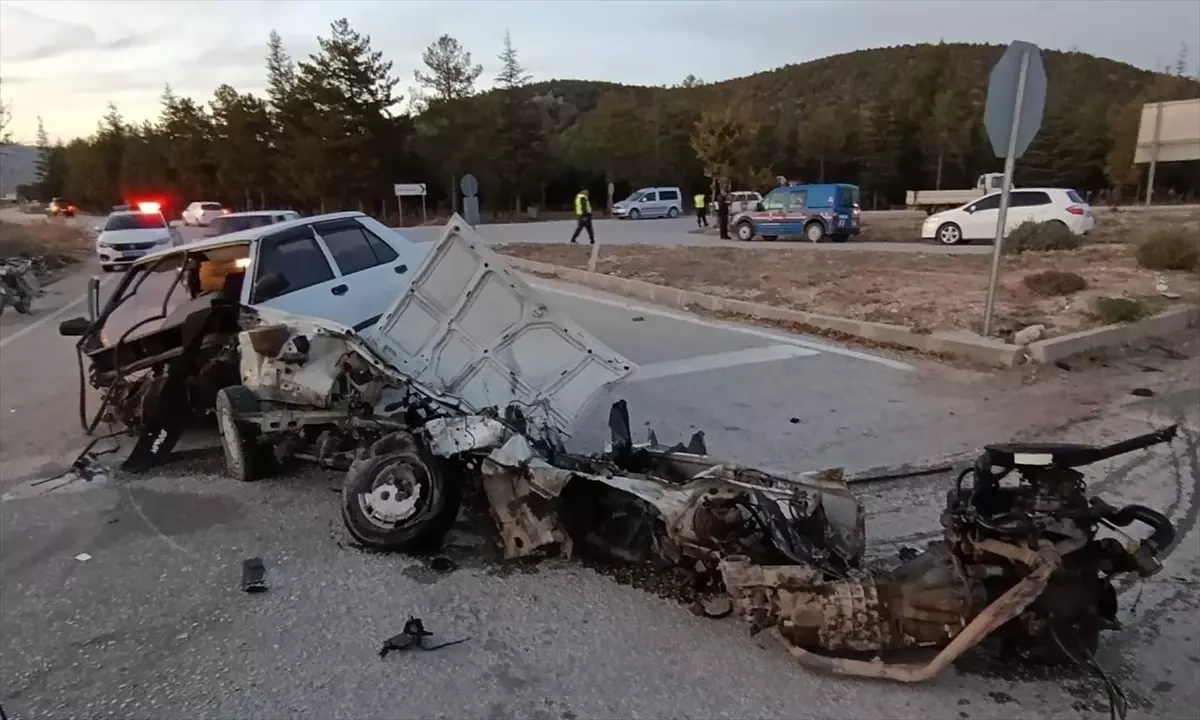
(1170, 248)
(1032, 236)
(1054, 282)
(1111, 311)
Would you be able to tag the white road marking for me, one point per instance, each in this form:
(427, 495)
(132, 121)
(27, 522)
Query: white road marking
(52, 316)
(730, 327)
(718, 361)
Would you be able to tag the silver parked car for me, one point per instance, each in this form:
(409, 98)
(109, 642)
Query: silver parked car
(650, 203)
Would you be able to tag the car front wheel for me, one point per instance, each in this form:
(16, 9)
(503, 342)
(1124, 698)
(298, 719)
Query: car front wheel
(949, 234)
(398, 496)
(634, 214)
(744, 231)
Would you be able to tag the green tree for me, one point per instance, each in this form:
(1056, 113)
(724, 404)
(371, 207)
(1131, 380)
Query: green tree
(822, 135)
(451, 75)
(42, 164)
(347, 92)
(241, 134)
(519, 150)
(1123, 122)
(719, 139)
(187, 132)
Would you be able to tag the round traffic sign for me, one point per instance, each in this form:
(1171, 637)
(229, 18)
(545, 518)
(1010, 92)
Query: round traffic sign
(469, 185)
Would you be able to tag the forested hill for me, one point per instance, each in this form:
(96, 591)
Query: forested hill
(327, 133)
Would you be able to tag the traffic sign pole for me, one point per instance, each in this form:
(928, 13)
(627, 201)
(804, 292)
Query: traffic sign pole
(1010, 161)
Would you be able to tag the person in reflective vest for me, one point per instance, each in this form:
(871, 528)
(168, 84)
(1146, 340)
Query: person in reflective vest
(583, 216)
(701, 210)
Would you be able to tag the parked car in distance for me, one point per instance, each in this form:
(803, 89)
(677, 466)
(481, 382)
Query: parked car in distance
(236, 222)
(128, 235)
(650, 203)
(739, 202)
(60, 208)
(814, 212)
(200, 214)
(977, 219)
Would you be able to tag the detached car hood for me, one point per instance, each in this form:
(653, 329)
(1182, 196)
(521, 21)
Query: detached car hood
(467, 326)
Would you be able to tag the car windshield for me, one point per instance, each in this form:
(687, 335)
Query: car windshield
(135, 221)
(635, 197)
(210, 206)
(223, 225)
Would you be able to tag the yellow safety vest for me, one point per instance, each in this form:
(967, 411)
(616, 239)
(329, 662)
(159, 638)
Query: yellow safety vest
(583, 206)
(699, 201)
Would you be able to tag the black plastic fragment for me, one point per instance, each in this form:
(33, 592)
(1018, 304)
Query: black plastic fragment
(254, 575)
(413, 636)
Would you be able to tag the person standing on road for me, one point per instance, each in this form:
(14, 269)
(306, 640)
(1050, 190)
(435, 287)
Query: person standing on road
(583, 216)
(701, 210)
(723, 214)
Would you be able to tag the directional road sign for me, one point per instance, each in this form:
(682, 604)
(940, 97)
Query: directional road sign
(409, 189)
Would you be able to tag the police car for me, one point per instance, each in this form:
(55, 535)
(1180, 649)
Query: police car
(128, 234)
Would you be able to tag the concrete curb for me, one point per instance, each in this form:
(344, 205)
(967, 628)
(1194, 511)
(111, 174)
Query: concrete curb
(960, 343)
(1167, 323)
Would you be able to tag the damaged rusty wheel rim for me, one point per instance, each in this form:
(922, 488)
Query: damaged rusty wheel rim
(234, 458)
(398, 493)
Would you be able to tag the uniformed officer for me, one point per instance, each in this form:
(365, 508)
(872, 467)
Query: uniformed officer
(583, 215)
(723, 214)
(701, 210)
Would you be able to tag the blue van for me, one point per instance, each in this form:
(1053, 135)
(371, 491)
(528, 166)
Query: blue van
(813, 212)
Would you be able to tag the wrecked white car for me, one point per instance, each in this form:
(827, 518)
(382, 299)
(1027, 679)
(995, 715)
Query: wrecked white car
(470, 377)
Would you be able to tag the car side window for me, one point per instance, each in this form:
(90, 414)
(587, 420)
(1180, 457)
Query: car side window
(668, 195)
(650, 197)
(774, 201)
(294, 256)
(352, 246)
(992, 202)
(798, 199)
(1030, 198)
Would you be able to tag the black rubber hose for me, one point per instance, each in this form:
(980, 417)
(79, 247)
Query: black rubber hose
(1164, 531)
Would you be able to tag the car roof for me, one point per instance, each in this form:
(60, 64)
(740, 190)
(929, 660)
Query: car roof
(256, 213)
(244, 236)
(133, 212)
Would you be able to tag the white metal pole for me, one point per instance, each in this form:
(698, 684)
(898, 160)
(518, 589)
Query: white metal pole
(1010, 162)
(400, 210)
(424, 218)
(1154, 153)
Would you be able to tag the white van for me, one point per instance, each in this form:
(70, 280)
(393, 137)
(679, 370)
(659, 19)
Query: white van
(650, 203)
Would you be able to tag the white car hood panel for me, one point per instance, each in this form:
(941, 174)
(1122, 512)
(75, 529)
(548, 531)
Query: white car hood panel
(469, 327)
(118, 237)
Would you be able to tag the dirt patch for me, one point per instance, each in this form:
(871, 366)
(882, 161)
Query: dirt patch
(925, 291)
(57, 244)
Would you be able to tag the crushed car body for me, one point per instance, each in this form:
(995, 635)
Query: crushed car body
(470, 376)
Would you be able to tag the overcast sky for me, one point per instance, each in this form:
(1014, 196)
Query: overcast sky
(65, 59)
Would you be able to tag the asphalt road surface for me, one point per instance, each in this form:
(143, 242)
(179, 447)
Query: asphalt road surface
(121, 597)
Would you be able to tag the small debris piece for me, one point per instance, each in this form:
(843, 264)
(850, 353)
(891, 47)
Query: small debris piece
(413, 635)
(1061, 365)
(1142, 392)
(794, 421)
(442, 564)
(1033, 333)
(638, 318)
(254, 575)
(714, 608)
(83, 557)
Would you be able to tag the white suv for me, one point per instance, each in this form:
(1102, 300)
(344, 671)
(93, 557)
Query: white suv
(236, 222)
(977, 219)
(202, 213)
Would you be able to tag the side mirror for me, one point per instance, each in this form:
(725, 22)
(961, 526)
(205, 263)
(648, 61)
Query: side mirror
(969, 209)
(75, 327)
(269, 286)
(93, 297)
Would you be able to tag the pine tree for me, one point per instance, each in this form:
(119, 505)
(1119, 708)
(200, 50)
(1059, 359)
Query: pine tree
(519, 146)
(451, 74)
(42, 166)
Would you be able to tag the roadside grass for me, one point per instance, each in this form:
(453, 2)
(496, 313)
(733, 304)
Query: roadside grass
(57, 244)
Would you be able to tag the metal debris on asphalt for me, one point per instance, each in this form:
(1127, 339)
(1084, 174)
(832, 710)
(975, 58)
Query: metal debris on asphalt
(83, 557)
(638, 318)
(1142, 392)
(254, 575)
(413, 636)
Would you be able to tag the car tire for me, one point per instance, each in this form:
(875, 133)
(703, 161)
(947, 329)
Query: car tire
(418, 521)
(247, 458)
(949, 234)
(814, 232)
(635, 214)
(673, 212)
(744, 231)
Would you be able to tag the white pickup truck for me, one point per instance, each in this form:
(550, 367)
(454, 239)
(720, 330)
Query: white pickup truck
(932, 201)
